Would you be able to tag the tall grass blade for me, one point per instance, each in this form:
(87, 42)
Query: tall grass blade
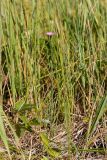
(99, 113)
(3, 133)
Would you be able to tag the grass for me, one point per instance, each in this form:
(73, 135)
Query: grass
(49, 83)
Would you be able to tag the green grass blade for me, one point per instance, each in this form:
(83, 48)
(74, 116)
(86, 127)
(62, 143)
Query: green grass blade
(3, 133)
(99, 113)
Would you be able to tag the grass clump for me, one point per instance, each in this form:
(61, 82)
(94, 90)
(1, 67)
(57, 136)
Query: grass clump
(54, 68)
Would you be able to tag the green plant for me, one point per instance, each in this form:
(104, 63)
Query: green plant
(57, 78)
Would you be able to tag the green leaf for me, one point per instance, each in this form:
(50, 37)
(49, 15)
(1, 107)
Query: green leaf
(53, 152)
(99, 113)
(45, 139)
(34, 121)
(44, 158)
(19, 104)
(22, 106)
(19, 130)
(25, 120)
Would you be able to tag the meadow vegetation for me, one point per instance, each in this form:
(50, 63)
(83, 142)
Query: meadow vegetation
(53, 79)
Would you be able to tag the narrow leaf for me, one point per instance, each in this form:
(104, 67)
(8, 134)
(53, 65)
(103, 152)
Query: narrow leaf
(45, 139)
(99, 113)
(3, 133)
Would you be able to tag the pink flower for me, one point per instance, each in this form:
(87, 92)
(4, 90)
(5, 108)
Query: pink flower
(50, 33)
